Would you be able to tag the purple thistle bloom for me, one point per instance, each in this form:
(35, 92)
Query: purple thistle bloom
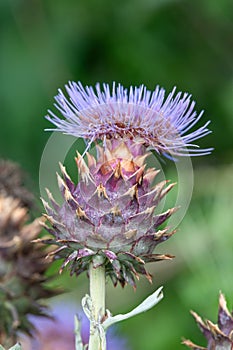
(136, 113)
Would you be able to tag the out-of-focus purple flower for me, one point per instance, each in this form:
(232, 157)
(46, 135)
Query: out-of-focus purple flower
(59, 333)
(135, 113)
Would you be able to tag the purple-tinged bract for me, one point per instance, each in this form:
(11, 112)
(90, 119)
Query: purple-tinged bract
(163, 124)
(219, 336)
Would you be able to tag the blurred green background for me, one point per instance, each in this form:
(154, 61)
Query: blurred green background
(44, 44)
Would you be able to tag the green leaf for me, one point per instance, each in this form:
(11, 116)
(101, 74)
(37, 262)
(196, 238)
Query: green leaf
(77, 331)
(16, 347)
(147, 304)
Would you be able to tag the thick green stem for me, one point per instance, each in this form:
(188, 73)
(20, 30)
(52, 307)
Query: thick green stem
(97, 294)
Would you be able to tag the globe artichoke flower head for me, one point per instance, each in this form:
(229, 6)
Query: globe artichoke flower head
(12, 183)
(111, 212)
(23, 268)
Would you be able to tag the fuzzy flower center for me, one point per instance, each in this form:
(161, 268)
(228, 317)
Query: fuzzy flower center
(125, 130)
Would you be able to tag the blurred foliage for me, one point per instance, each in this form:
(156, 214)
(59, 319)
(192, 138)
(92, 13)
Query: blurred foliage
(45, 43)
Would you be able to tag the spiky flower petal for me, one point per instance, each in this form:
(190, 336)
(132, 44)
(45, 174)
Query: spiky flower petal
(111, 212)
(219, 336)
(22, 264)
(139, 114)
